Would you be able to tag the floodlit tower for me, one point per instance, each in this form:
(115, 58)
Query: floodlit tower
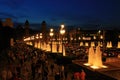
(8, 22)
(44, 30)
(26, 26)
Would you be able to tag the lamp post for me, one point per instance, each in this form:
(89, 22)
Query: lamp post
(51, 35)
(37, 40)
(32, 39)
(62, 32)
(104, 46)
(40, 39)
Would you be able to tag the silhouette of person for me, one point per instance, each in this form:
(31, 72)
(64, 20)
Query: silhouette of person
(57, 76)
(52, 67)
(82, 75)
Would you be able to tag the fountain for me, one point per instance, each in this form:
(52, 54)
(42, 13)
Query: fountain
(92, 44)
(42, 46)
(48, 47)
(54, 47)
(109, 44)
(91, 56)
(98, 57)
(64, 53)
(118, 46)
(99, 43)
(95, 58)
(81, 44)
(35, 45)
(60, 47)
(86, 44)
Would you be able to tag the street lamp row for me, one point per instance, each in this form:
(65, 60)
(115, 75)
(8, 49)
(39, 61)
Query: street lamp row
(39, 36)
(51, 35)
(62, 32)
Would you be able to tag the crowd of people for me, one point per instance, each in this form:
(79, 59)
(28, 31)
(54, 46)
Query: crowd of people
(24, 62)
(79, 75)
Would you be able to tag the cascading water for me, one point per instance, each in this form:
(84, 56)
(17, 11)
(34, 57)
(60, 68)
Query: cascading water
(95, 58)
(91, 55)
(98, 57)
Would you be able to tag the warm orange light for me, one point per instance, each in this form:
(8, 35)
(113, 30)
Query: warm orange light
(101, 37)
(37, 36)
(95, 67)
(62, 31)
(40, 35)
(51, 34)
(86, 64)
(62, 26)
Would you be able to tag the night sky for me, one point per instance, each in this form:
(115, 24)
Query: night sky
(69, 12)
